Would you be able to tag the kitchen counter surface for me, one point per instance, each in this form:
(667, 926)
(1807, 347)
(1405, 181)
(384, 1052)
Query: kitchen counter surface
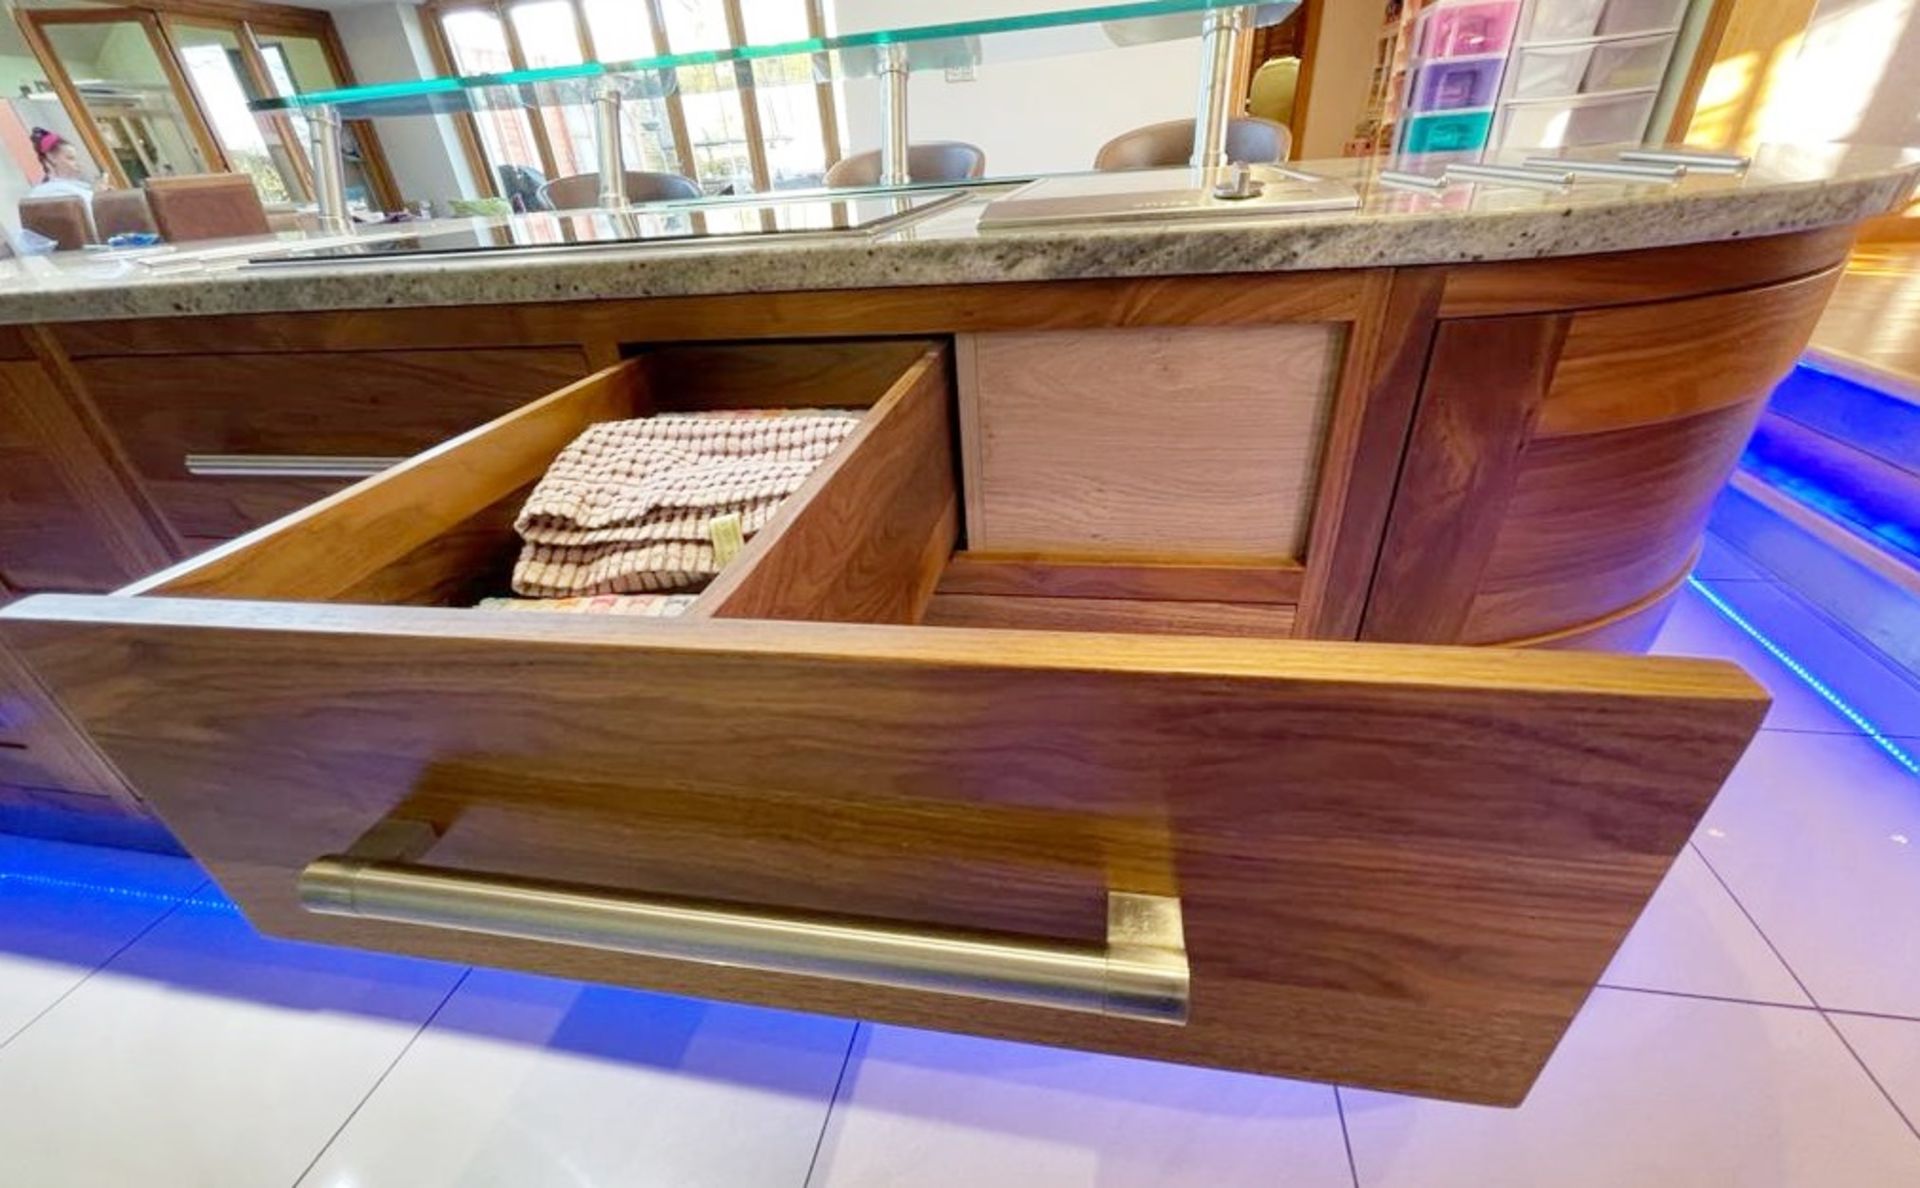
(1787, 189)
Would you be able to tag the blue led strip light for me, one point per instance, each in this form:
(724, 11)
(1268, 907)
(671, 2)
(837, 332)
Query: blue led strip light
(1839, 703)
(55, 883)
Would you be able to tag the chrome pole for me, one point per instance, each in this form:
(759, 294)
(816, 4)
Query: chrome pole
(613, 170)
(1220, 34)
(894, 150)
(329, 170)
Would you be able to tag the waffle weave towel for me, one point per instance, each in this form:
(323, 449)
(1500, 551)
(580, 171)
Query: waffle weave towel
(627, 507)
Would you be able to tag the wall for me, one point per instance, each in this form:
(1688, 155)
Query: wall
(1343, 49)
(1856, 77)
(384, 43)
(1797, 70)
(1040, 115)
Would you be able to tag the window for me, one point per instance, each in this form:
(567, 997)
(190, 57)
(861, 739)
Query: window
(779, 135)
(156, 91)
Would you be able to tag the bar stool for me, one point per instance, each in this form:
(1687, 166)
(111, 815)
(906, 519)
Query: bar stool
(1159, 146)
(206, 206)
(63, 219)
(582, 190)
(934, 161)
(120, 212)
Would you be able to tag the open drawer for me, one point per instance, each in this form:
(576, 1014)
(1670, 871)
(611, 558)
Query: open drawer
(1398, 867)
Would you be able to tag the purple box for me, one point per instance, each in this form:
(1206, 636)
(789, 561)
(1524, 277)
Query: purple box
(1447, 85)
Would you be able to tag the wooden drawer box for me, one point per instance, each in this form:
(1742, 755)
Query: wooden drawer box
(226, 443)
(1390, 866)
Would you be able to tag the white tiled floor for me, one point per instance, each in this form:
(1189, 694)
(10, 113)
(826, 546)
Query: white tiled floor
(1759, 1029)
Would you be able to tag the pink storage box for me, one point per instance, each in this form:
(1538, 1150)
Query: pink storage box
(1458, 30)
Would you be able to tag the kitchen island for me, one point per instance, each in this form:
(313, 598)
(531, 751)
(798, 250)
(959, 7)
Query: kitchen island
(1016, 665)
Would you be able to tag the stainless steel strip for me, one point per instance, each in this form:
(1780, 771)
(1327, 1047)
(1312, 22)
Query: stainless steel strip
(329, 170)
(1140, 973)
(896, 146)
(1652, 172)
(1557, 179)
(606, 139)
(1701, 159)
(285, 465)
(1222, 30)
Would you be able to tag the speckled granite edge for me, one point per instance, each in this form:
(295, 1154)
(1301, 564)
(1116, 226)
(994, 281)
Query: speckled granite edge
(899, 259)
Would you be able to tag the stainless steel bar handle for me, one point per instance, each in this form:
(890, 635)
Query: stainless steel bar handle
(1406, 180)
(286, 465)
(1700, 159)
(1650, 172)
(1544, 179)
(1140, 973)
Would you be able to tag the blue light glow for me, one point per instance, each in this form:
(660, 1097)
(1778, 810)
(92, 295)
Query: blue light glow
(1792, 665)
(111, 890)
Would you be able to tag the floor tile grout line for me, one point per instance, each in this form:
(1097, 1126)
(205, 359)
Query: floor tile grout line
(1726, 998)
(1868, 1069)
(1346, 1137)
(384, 1074)
(109, 959)
(1857, 1013)
(833, 1099)
(1764, 938)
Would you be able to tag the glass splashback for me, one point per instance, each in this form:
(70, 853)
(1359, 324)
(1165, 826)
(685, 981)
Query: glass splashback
(1025, 30)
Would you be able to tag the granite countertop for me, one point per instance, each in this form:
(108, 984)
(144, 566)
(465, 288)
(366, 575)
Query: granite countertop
(1787, 189)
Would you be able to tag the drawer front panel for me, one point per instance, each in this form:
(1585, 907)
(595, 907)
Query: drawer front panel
(374, 404)
(1407, 882)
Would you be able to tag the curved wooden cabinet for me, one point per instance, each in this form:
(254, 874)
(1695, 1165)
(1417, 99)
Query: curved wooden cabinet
(1561, 465)
(974, 678)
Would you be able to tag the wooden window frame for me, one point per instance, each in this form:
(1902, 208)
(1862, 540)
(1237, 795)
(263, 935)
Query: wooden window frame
(241, 17)
(441, 51)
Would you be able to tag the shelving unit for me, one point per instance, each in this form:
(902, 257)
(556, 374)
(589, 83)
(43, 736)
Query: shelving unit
(1455, 73)
(1585, 72)
(1486, 75)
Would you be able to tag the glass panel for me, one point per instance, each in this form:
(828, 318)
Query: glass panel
(548, 37)
(478, 43)
(716, 124)
(623, 29)
(256, 148)
(120, 79)
(1037, 31)
(788, 100)
(297, 64)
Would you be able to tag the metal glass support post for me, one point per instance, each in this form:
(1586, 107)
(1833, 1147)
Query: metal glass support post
(329, 171)
(606, 130)
(893, 117)
(1220, 35)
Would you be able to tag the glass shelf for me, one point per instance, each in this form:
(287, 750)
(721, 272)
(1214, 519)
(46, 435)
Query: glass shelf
(1021, 36)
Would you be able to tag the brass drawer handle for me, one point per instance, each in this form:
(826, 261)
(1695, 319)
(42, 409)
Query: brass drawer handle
(1140, 973)
(286, 465)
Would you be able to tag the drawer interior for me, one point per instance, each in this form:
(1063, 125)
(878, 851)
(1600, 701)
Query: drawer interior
(863, 540)
(875, 535)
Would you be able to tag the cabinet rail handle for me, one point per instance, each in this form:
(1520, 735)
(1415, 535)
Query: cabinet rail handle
(286, 465)
(1140, 973)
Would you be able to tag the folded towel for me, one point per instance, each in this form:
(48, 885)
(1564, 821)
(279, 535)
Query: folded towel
(630, 505)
